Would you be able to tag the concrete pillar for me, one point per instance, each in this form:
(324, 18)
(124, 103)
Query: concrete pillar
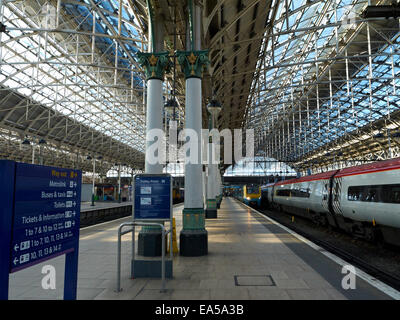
(193, 237)
(153, 119)
(211, 209)
(204, 186)
(193, 171)
(119, 183)
(219, 189)
(155, 63)
(213, 107)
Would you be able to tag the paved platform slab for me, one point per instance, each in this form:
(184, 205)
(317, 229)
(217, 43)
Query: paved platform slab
(249, 258)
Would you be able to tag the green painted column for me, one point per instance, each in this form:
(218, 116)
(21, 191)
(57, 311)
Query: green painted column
(155, 65)
(193, 237)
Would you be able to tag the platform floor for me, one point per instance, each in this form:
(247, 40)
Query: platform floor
(244, 248)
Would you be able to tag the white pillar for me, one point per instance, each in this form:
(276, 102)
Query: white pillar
(153, 118)
(193, 171)
(94, 172)
(211, 174)
(204, 188)
(119, 183)
(215, 173)
(219, 183)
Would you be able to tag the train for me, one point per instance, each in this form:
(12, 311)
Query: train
(362, 200)
(178, 194)
(250, 194)
(233, 191)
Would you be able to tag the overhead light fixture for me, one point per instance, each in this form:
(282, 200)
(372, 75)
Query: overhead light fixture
(42, 141)
(26, 142)
(214, 107)
(170, 105)
(379, 135)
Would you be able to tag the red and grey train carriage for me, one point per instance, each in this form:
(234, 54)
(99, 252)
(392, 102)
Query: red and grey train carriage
(363, 200)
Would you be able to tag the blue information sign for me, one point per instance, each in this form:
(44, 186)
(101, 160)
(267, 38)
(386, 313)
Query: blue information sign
(152, 197)
(46, 214)
(44, 217)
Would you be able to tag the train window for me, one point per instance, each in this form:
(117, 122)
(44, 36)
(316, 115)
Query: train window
(372, 194)
(299, 193)
(387, 193)
(395, 195)
(355, 193)
(325, 192)
(283, 193)
(253, 189)
(305, 192)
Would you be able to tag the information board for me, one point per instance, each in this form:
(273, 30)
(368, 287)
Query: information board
(46, 214)
(39, 220)
(152, 196)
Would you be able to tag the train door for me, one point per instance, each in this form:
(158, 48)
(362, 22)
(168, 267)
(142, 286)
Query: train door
(336, 195)
(325, 194)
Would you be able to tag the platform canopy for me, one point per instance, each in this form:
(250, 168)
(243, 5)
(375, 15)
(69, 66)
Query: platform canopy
(318, 81)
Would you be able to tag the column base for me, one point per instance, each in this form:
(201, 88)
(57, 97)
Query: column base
(150, 268)
(219, 200)
(149, 244)
(193, 243)
(211, 213)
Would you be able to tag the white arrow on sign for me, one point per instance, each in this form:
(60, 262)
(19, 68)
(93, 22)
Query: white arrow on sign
(16, 247)
(15, 261)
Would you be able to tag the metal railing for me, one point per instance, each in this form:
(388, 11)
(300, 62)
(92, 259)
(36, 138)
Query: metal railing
(121, 233)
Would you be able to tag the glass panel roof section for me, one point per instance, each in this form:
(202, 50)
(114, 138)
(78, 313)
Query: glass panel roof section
(329, 73)
(93, 79)
(259, 166)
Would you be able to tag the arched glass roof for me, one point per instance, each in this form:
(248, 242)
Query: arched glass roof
(259, 166)
(313, 78)
(325, 72)
(63, 73)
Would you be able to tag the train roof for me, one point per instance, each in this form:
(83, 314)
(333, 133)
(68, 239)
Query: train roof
(318, 176)
(386, 165)
(391, 164)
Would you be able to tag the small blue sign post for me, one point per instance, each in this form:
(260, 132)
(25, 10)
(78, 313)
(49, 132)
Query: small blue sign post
(39, 220)
(152, 197)
(152, 203)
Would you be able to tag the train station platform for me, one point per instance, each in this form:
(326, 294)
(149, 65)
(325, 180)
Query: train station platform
(103, 211)
(87, 206)
(250, 257)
